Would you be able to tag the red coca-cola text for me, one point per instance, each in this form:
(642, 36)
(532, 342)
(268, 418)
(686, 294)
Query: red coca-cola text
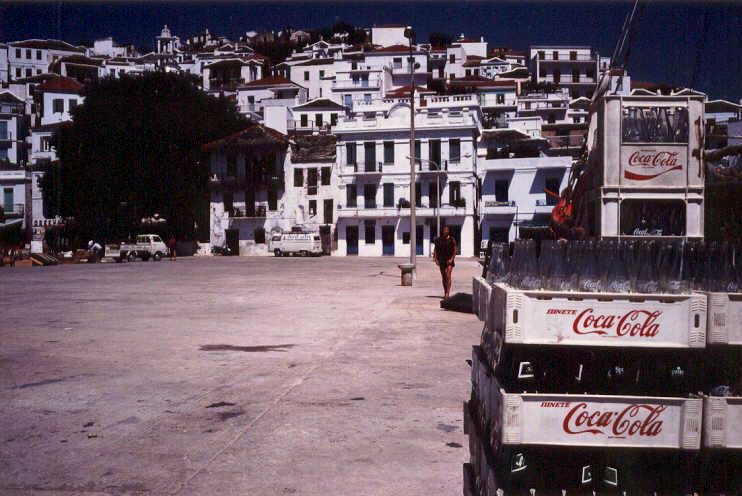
(652, 158)
(633, 420)
(642, 323)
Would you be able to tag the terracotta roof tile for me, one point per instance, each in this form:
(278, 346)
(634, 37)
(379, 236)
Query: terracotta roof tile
(61, 85)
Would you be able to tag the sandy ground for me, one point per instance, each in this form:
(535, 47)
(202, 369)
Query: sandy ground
(249, 376)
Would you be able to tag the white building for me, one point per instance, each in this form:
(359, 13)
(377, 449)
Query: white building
(388, 35)
(271, 91)
(575, 68)
(12, 129)
(374, 175)
(166, 43)
(247, 200)
(3, 63)
(106, 47)
(321, 114)
(32, 57)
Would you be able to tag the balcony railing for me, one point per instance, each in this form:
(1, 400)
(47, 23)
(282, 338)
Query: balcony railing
(498, 203)
(14, 210)
(571, 141)
(357, 83)
(547, 202)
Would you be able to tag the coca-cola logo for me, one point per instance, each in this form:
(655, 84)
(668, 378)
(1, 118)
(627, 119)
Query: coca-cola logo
(652, 159)
(642, 323)
(633, 420)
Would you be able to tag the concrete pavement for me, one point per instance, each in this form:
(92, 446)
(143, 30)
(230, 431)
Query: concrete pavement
(249, 376)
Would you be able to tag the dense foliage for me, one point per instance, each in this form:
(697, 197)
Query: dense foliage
(134, 150)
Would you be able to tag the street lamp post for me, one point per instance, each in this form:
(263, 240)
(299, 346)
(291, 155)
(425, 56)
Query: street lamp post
(410, 35)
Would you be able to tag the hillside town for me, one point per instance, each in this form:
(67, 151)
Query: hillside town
(327, 151)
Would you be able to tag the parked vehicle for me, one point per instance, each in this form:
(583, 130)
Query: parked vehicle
(147, 246)
(294, 243)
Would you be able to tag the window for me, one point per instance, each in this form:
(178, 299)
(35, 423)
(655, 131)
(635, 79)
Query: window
(57, 105)
(321, 74)
(590, 74)
(351, 196)
(325, 176)
(575, 75)
(29, 72)
(454, 150)
(38, 71)
(454, 192)
(3, 129)
(418, 150)
(572, 55)
(3, 153)
(369, 196)
(370, 232)
(304, 120)
(367, 97)
(327, 211)
(418, 195)
(312, 207)
(552, 184)
(354, 66)
(333, 119)
(72, 104)
(38, 54)
(468, 72)
(555, 55)
(17, 72)
(440, 72)
(46, 143)
(17, 53)
(389, 152)
(452, 58)
(500, 98)
(397, 62)
(318, 120)
(306, 75)
(655, 125)
(8, 198)
(348, 101)
(350, 153)
(272, 199)
(298, 178)
(541, 55)
(557, 76)
(28, 53)
(501, 190)
(369, 155)
(312, 181)
(434, 151)
(388, 194)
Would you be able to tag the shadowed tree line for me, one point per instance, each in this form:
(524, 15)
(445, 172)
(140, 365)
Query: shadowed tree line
(133, 150)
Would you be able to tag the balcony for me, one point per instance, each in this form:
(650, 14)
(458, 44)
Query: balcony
(386, 212)
(545, 206)
(356, 84)
(499, 207)
(14, 210)
(364, 169)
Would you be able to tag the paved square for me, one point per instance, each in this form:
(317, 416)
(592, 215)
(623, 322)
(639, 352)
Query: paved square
(249, 376)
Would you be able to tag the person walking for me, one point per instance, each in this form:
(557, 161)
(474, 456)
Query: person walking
(171, 247)
(444, 254)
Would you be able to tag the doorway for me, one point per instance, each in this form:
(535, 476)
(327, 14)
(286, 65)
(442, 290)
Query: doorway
(387, 240)
(419, 233)
(325, 234)
(351, 238)
(233, 241)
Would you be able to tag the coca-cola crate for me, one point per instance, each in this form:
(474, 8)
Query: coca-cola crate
(598, 319)
(481, 297)
(724, 318)
(722, 422)
(610, 421)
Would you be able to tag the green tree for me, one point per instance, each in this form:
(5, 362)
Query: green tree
(133, 149)
(437, 39)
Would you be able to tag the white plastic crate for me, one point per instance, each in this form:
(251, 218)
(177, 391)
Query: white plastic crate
(722, 422)
(602, 421)
(481, 297)
(598, 319)
(725, 318)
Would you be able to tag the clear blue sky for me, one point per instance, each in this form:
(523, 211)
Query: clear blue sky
(676, 41)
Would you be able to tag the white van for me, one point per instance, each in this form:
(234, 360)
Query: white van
(296, 244)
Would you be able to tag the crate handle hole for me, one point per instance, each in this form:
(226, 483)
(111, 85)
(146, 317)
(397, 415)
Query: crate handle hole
(515, 316)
